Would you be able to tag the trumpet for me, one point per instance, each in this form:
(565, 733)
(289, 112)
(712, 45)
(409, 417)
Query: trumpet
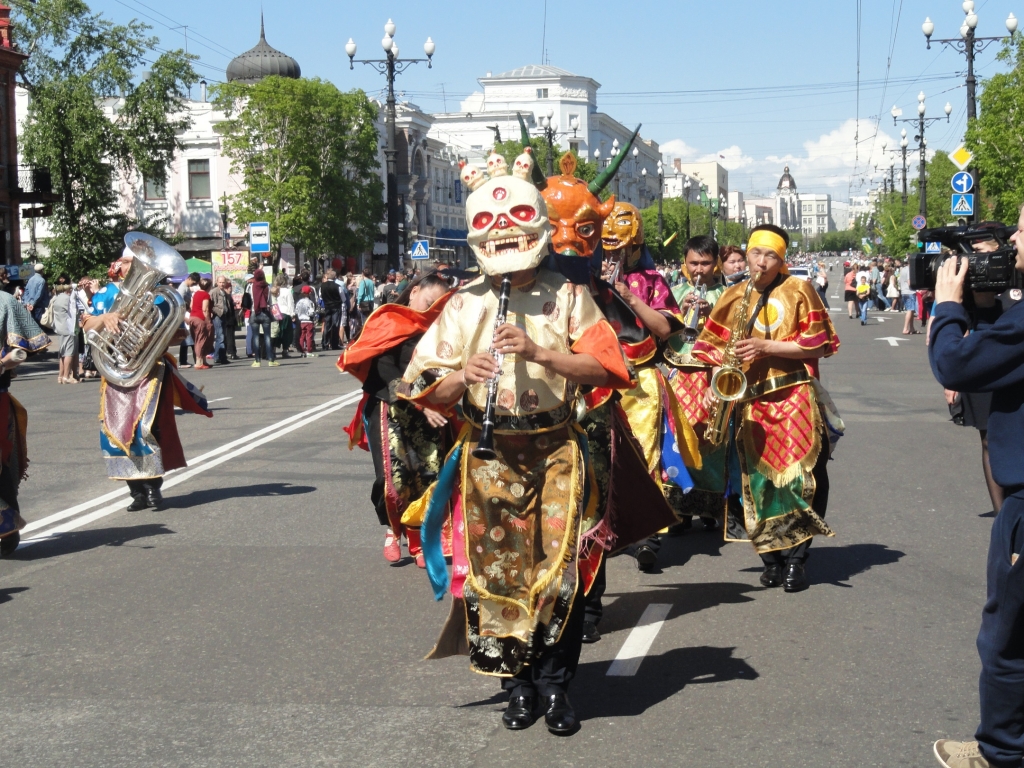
(729, 383)
(691, 321)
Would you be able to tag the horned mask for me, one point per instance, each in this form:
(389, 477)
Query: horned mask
(623, 235)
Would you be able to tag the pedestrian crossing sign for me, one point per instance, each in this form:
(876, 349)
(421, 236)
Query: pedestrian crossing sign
(962, 205)
(420, 249)
(933, 247)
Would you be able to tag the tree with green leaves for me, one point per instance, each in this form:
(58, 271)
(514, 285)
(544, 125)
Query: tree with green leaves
(995, 137)
(510, 150)
(308, 153)
(79, 63)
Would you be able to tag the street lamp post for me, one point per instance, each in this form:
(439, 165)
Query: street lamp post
(922, 142)
(549, 130)
(970, 45)
(687, 184)
(390, 67)
(661, 196)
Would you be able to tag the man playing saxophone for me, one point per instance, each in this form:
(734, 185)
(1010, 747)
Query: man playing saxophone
(784, 423)
(138, 433)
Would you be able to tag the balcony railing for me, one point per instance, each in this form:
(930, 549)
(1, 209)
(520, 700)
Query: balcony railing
(31, 180)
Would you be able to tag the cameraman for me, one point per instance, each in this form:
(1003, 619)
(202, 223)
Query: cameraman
(991, 360)
(971, 409)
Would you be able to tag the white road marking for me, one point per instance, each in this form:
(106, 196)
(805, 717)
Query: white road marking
(243, 445)
(639, 642)
(38, 373)
(894, 341)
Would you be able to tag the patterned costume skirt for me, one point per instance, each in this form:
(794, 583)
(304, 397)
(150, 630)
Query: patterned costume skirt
(779, 439)
(138, 432)
(707, 499)
(14, 461)
(407, 454)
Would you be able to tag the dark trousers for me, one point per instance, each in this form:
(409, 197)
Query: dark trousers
(819, 503)
(371, 414)
(331, 338)
(553, 670)
(1001, 640)
(230, 346)
(183, 353)
(218, 340)
(138, 488)
(260, 325)
(593, 607)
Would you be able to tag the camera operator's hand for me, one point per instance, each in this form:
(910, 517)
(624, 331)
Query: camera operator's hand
(949, 280)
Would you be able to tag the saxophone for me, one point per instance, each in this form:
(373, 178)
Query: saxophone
(729, 384)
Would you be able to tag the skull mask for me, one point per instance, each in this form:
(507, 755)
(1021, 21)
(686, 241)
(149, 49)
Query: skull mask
(506, 216)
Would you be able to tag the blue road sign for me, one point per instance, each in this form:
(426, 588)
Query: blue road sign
(933, 247)
(962, 182)
(420, 249)
(919, 222)
(962, 205)
(259, 237)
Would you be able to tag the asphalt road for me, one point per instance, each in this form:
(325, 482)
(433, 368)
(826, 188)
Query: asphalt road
(254, 622)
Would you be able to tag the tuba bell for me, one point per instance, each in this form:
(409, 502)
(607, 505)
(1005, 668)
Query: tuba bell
(150, 313)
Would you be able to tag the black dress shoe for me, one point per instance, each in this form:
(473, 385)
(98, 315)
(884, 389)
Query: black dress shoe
(9, 543)
(645, 558)
(772, 576)
(590, 633)
(519, 713)
(559, 717)
(138, 504)
(153, 498)
(795, 579)
(710, 523)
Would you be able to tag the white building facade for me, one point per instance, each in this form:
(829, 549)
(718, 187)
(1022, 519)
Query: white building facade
(547, 96)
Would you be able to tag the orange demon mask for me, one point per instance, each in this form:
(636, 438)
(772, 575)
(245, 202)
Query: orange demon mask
(575, 211)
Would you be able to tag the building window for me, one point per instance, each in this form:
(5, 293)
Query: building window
(574, 146)
(198, 179)
(542, 93)
(821, 209)
(155, 190)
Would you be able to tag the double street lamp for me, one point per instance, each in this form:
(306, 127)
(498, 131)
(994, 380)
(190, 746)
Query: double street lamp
(549, 128)
(390, 67)
(922, 143)
(970, 45)
(902, 154)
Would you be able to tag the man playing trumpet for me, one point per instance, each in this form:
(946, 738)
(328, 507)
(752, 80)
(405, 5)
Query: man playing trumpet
(784, 422)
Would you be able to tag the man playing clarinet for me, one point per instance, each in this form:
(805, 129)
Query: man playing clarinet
(516, 605)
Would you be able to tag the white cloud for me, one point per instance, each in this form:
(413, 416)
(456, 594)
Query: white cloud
(826, 164)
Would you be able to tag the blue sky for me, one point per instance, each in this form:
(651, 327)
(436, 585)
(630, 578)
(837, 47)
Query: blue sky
(763, 84)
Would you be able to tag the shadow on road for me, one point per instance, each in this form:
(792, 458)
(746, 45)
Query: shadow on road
(677, 551)
(659, 678)
(211, 495)
(80, 541)
(6, 595)
(684, 598)
(834, 565)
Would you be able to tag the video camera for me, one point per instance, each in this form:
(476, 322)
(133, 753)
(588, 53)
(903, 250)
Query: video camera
(993, 271)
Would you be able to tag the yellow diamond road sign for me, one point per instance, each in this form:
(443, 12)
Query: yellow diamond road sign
(961, 157)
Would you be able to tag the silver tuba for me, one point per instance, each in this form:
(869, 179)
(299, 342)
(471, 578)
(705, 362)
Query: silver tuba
(125, 358)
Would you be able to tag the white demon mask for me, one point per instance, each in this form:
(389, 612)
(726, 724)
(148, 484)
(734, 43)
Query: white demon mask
(506, 216)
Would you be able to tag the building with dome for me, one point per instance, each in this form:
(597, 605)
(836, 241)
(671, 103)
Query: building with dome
(260, 61)
(808, 213)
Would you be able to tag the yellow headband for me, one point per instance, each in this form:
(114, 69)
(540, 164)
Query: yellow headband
(766, 239)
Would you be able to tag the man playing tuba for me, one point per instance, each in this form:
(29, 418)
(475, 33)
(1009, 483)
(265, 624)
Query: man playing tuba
(784, 422)
(138, 433)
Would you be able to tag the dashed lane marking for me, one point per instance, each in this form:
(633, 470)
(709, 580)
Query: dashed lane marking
(639, 642)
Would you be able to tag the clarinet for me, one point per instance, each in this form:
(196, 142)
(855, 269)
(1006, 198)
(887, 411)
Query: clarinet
(485, 445)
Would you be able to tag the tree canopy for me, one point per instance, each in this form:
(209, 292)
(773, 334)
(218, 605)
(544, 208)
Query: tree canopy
(78, 64)
(997, 137)
(308, 153)
(510, 150)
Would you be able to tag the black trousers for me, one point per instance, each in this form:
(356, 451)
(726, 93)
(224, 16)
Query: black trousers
(554, 669)
(230, 348)
(138, 488)
(333, 321)
(819, 503)
(371, 414)
(593, 608)
(1001, 640)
